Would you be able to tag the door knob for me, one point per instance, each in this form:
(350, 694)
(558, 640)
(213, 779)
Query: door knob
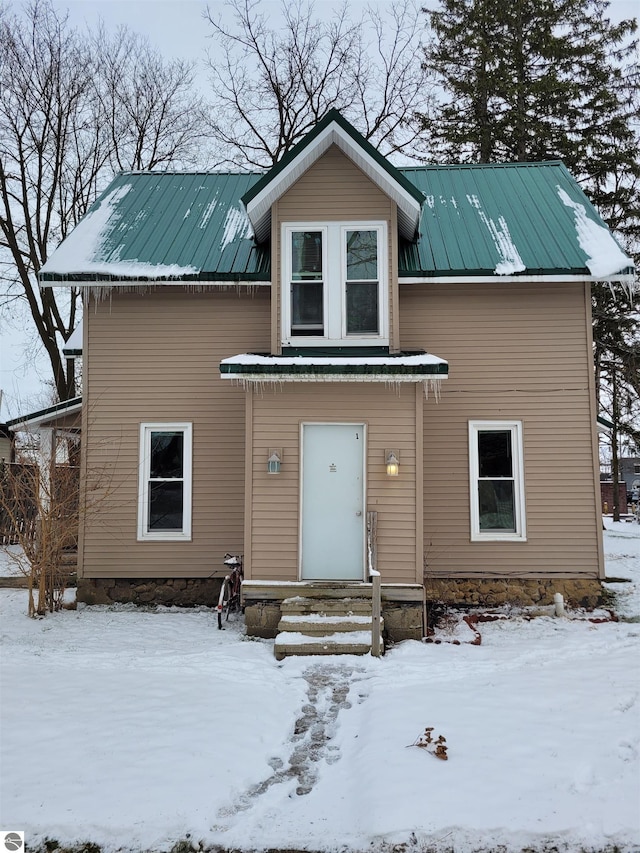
(359, 512)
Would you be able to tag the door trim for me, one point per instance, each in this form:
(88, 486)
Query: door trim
(364, 427)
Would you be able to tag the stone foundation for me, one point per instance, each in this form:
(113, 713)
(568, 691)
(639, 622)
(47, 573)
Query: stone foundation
(403, 620)
(526, 592)
(181, 592)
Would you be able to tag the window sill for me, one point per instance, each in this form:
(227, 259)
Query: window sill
(498, 537)
(164, 537)
(318, 342)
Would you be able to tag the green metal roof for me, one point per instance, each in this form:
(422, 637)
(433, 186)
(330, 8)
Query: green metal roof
(501, 219)
(414, 367)
(476, 220)
(164, 225)
(486, 219)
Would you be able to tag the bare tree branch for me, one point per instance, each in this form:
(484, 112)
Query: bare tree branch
(274, 80)
(74, 109)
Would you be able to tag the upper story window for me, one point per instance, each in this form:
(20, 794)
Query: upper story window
(334, 284)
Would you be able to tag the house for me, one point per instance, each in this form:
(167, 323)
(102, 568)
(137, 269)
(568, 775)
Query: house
(6, 445)
(630, 473)
(42, 475)
(338, 363)
(628, 483)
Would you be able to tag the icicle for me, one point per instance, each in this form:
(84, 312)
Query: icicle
(100, 292)
(435, 386)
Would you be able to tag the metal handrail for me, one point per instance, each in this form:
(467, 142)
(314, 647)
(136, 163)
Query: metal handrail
(374, 578)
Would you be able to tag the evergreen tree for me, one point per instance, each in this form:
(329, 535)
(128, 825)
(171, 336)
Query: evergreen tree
(541, 80)
(544, 80)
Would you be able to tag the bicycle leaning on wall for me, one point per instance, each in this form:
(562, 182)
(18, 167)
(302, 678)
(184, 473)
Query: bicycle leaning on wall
(230, 600)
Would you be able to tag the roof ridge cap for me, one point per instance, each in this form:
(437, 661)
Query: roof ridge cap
(506, 165)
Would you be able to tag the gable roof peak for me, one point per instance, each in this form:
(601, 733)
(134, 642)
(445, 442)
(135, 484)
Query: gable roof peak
(333, 129)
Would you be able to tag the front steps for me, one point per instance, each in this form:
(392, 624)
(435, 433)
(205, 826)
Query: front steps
(402, 607)
(326, 621)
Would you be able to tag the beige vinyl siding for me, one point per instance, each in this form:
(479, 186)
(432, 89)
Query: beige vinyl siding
(515, 352)
(155, 358)
(389, 417)
(334, 189)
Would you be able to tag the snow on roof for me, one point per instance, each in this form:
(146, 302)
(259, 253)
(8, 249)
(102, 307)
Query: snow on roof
(478, 221)
(236, 224)
(73, 345)
(422, 360)
(510, 260)
(604, 256)
(43, 416)
(80, 252)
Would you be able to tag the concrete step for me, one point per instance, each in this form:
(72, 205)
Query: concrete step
(317, 625)
(300, 605)
(278, 590)
(291, 643)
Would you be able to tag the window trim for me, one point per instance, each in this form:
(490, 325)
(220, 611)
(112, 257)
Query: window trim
(335, 279)
(146, 428)
(520, 533)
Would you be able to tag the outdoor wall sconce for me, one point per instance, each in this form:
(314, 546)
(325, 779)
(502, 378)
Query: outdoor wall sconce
(274, 461)
(392, 462)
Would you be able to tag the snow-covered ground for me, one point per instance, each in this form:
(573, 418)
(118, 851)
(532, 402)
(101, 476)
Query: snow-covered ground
(136, 729)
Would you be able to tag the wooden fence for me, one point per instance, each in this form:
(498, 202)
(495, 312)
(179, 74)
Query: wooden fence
(19, 501)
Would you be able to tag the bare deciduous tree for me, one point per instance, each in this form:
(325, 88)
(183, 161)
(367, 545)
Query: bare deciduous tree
(272, 83)
(45, 81)
(41, 515)
(75, 108)
(148, 104)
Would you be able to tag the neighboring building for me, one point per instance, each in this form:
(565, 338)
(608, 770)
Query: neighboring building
(47, 473)
(56, 426)
(630, 472)
(6, 446)
(607, 493)
(281, 364)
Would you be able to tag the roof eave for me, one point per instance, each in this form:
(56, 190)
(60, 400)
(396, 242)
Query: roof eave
(334, 372)
(99, 280)
(51, 413)
(489, 277)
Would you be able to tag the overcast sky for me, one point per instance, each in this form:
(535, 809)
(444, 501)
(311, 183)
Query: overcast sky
(177, 28)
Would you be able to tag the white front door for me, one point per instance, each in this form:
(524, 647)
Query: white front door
(333, 523)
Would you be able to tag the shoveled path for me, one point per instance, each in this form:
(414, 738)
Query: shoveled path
(328, 687)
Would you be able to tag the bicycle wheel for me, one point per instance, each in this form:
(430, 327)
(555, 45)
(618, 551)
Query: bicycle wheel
(223, 601)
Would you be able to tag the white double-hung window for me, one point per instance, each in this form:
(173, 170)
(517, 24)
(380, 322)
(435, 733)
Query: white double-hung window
(164, 492)
(335, 286)
(496, 467)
